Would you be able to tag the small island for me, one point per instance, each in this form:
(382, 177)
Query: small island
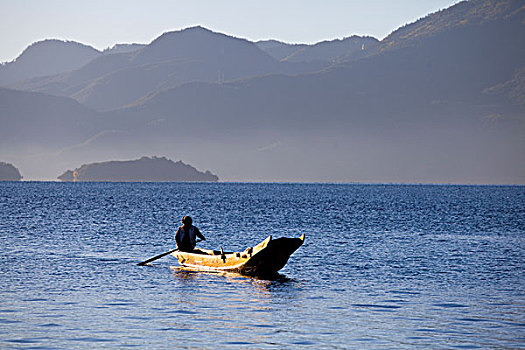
(8, 172)
(145, 169)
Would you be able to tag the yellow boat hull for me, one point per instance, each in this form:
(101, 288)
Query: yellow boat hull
(265, 258)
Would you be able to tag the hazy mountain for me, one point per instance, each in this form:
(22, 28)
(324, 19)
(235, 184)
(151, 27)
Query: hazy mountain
(46, 57)
(35, 120)
(278, 49)
(147, 169)
(175, 58)
(199, 43)
(45, 134)
(123, 48)
(439, 100)
(425, 107)
(67, 84)
(50, 57)
(8, 172)
(351, 48)
(464, 15)
(331, 51)
(450, 66)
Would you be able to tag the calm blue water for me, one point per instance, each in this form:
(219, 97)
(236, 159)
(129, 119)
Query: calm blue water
(383, 267)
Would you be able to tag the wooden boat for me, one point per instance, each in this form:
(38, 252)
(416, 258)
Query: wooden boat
(265, 258)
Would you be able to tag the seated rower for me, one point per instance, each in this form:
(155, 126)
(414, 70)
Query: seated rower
(185, 238)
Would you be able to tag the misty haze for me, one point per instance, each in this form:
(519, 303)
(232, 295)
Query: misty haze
(440, 100)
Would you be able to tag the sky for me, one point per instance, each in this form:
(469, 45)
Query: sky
(103, 23)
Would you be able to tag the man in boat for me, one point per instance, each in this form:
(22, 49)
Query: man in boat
(186, 236)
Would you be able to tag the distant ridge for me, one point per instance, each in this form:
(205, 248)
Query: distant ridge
(47, 57)
(123, 48)
(472, 13)
(172, 59)
(278, 49)
(347, 49)
(145, 169)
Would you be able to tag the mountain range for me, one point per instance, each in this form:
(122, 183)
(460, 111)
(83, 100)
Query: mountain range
(438, 100)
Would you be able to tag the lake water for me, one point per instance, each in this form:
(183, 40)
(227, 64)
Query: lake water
(382, 267)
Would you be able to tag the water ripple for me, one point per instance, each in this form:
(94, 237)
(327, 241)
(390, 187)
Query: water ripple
(383, 266)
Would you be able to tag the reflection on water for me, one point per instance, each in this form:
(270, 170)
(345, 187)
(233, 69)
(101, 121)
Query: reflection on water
(229, 276)
(258, 286)
(221, 302)
(229, 301)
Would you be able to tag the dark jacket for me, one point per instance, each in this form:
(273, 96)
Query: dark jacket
(186, 239)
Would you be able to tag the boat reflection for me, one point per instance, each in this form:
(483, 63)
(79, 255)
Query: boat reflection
(183, 275)
(267, 284)
(240, 303)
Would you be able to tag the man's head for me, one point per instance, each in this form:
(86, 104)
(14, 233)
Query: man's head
(186, 220)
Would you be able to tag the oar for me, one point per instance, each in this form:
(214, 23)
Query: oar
(161, 255)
